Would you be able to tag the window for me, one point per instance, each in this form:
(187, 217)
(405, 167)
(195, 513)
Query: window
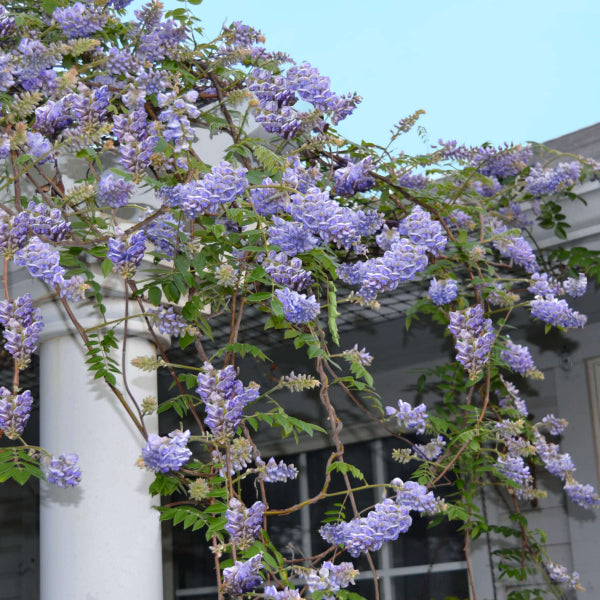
(423, 564)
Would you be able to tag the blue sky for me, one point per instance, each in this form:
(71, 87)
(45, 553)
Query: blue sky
(482, 70)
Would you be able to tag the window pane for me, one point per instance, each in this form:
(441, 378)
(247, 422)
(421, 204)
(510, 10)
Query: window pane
(358, 455)
(422, 544)
(432, 586)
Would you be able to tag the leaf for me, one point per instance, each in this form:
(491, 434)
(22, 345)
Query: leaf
(106, 267)
(154, 295)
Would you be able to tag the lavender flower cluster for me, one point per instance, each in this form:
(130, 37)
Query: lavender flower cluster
(15, 410)
(167, 453)
(22, 325)
(225, 398)
(474, 337)
(244, 524)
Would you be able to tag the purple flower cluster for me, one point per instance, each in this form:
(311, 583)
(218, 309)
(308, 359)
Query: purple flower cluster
(557, 464)
(353, 178)
(413, 181)
(136, 135)
(543, 284)
(14, 412)
(271, 593)
(225, 398)
(513, 398)
(43, 221)
(385, 273)
(443, 291)
(415, 496)
(583, 495)
(556, 312)
(513, 214)
(63, 471)
(277, 93)
(167, 453)
(488, 188)
(514, 247)
(81, 19)
(126, 256)
(575, 287)
(409, 419)
(240, 456)
(163, 233)
(168, 321)
(514, 468)
(268, 200)
(22, 324)
(287, 272)
(518, 358)
(176, 114)
(243, 577)
(325, 218)
(297, 308)
(362, 357)
(422, 230)
(559, 575)
(500, 162)
(474, 338)
(541, 182)
(431, 450)
(41, 262)
(331, 578)
(291, 237)
(114, 191)
(219, 187)
(554, 424)
(13, 235)
(367, 534)
(244, 524)
(272, 472)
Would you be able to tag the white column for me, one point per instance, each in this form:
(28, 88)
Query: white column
(101, 540)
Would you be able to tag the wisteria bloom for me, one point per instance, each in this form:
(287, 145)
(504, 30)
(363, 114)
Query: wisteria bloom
(114, 191)
(272, 593)
(126, 255)
(443, 291)
(415, 496)
(518, 358)
(515, 469)
(431, 450)
(22, 323)
(168, 321)
(225, 398)
(272, 471)
(287, 272)
(353, 178)
(41, 261)
(240, 456)
(409, 419)
(548, 181)
(559, 575)
(556, 312)
(14, 412)
(474, 338)
(167, 453)
(63, 470)
(362, 357)
(243, 577)
(330, 578)
(367, 534)
(244, 524)
(583, 495)
(297, 308)
(575, 287)
(422, 230)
